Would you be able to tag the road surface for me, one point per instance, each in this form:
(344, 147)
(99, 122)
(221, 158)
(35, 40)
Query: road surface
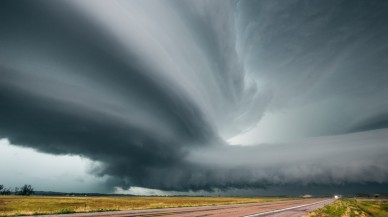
(291, 208)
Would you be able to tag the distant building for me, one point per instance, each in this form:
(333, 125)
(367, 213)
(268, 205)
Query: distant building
(307, 196)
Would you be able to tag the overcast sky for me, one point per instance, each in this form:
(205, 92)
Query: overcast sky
(205, 97)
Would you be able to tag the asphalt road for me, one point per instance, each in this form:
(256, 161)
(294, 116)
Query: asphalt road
(291, 208)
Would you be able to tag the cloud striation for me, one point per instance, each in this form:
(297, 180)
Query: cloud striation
(153, 89)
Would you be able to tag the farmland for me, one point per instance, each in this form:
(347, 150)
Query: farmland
(34, 205)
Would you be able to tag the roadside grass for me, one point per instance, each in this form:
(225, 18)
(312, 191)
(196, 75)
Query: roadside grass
(352, 208)
(41, 205)
(374, 207)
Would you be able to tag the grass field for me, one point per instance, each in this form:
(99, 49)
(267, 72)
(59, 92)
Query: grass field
(354, 207)
(34, 205)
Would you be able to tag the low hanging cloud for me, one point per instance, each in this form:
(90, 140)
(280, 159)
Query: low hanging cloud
(342, 159)
(153, 90)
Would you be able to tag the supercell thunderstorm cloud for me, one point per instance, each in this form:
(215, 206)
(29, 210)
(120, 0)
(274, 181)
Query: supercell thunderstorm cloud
(201, 95)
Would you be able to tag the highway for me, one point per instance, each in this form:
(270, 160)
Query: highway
(291, 208)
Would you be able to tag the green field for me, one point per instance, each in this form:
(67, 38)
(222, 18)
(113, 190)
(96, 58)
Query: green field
(34, 205)
(353, 207)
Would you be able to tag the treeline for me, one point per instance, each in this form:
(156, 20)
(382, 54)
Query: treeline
(24, 190)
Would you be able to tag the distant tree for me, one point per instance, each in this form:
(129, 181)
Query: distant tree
(26, 190)
(17, 192)
(5, 191)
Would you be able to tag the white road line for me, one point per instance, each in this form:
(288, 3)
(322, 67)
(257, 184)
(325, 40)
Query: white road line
(284, 209)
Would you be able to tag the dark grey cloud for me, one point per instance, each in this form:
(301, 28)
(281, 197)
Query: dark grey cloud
(153, 89)
(349, 158)
(329, 52)
(376, 121)
(121, 116)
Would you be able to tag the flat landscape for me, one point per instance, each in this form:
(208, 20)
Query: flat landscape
(353, 207)
(36, 205)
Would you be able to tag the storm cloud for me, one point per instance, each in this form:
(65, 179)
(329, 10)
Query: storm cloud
(154, 90)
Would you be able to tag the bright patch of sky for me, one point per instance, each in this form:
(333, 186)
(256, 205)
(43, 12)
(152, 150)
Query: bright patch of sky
(46, 172)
